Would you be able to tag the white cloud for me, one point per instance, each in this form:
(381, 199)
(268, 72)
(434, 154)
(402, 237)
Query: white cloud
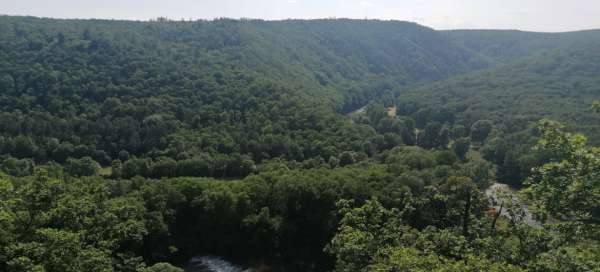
(292, 1)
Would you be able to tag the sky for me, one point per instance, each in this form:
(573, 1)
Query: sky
(531, 15)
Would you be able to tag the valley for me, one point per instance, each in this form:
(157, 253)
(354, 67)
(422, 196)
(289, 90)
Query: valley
(296, 145)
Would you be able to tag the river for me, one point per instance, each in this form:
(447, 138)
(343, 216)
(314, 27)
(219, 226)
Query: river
(494, 192)
(212, 264)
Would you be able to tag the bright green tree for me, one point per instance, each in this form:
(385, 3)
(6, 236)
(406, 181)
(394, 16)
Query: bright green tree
(568, 187)
(162, 267)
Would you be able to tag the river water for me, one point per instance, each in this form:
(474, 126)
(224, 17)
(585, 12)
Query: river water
(493, 193)
(212, 264)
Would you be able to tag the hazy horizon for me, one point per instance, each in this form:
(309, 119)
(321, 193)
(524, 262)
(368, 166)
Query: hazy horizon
(528, 15)
(292, 19)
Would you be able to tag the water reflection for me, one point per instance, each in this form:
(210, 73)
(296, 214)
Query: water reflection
(212, 264)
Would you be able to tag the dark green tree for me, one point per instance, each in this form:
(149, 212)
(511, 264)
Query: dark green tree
(461, 147)
(480, 130)
(85, 166)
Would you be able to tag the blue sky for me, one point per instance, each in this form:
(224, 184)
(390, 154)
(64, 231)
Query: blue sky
(535, 15)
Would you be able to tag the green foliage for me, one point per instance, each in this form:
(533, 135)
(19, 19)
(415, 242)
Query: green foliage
(373, 238)
(363, 231)
(56, 250)
(346, 158)
(460, 147)
(162, 267)
(410, 259)
(17, 167)
(510, 169)
(567, 187)
(85, 166)
(433, 136)
(558, 84)
(227, 88)
(55, 225)
(413, 158)
(281, 214)
(445, 157)
(582, 258)
(596, 106)
(480, 130)
(134, 143)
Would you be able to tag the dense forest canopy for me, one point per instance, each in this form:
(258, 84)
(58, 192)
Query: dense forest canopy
(108, 88)
(296, 145)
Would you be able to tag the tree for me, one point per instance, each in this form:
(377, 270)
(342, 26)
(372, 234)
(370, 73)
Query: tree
(373, 238)
(346, 158)
(443, 138)
(430, 136)
(135, 166)
(162, 267)
(333, 162)
(461, 146)
(458, 131)
(510, 171)
(261, 228)
(7, 83)
(462, 200)
(567, 187)
(362, 232)
(57, 250)
(407, 259)
(17, 167)
(117, 168)
(85, 166)
(376, 112)
(480, 130)
(408, 132)
(495, 149)
(199, 166)
(240, 165)
(63, 152)
(445, 157)
(480, 171)
(568, 258)
(24, 147)
(9, 220)
(123, 155)
(163, 167)
(411, 157)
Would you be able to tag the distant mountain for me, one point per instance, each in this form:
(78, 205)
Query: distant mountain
(178, 89)
(508, 45)
(559, 84)
(327, 56)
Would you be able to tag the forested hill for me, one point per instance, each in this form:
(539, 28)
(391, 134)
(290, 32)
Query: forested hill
(505, 46)
(559, 84)
(350, 59)
(220, 92)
